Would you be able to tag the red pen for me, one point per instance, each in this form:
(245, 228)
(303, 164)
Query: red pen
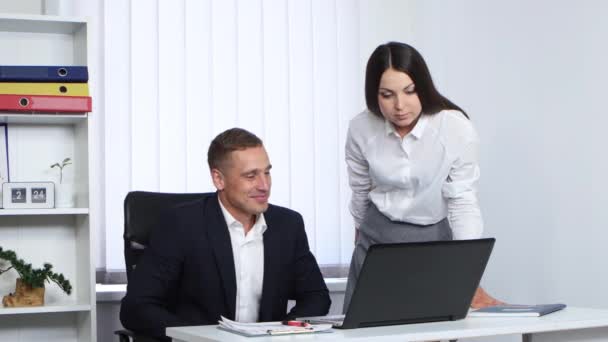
(297, 324)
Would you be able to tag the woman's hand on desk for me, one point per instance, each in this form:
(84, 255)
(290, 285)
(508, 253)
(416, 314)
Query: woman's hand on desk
(482, 299)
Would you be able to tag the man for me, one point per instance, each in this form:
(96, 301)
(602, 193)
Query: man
(229, 253)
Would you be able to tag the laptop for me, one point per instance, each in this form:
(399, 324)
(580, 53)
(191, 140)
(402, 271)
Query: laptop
(403, 283)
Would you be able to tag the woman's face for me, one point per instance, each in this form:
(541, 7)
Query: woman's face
(398, 100)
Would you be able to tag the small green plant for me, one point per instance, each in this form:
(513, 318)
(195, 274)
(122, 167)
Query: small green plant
(35, 277)
(64, 163)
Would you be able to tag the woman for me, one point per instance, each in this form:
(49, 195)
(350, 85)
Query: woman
(412, 161)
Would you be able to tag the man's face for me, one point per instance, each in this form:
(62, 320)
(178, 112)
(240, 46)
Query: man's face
(244, 183)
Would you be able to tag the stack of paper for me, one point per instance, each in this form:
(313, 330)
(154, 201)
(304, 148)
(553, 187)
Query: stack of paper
(268, 328)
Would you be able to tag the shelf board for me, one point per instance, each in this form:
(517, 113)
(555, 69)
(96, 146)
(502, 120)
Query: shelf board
(26, 118)
(110, 292)
(45, 309)
(40, 24)
(53, 211)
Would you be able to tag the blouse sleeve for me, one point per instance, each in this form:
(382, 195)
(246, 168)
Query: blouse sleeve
(358, 176)
(460, 191)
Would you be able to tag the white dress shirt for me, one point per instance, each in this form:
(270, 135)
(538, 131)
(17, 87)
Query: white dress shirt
(428, 175)
(248, 252)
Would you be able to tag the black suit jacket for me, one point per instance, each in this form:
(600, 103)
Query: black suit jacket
(187, 277)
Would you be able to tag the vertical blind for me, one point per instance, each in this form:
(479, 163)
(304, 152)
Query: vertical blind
(178, 72)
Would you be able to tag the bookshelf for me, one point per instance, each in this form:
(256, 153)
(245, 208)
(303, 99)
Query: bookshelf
(61, 236)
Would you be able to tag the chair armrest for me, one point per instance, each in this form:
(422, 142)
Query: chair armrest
(124, 335)
(129, 336)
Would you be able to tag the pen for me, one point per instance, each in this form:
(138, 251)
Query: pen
(287, 332)
(296, 324)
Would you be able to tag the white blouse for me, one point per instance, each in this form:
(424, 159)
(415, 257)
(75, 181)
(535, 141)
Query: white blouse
(430, 174)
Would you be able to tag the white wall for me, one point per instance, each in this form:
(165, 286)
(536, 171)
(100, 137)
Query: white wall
(382, 21)
(532, 76)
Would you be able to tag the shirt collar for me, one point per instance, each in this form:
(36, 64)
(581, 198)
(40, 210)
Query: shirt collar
(259, 226)
(416, 132)
(420, 126)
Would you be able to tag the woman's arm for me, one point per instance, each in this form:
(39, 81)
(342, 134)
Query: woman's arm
(460, 192)
(463, 209)
(358, 177)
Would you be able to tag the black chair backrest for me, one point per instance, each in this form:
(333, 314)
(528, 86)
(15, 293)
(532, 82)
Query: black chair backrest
(142, 214)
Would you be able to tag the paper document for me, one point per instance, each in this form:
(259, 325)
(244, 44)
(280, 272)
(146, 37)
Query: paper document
(269, 328)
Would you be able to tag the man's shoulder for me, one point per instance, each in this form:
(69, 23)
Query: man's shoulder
(276, 212)
(193, 209)
(199, 199)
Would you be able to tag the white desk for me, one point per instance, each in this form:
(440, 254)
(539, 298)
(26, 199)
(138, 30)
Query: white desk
(575, 324)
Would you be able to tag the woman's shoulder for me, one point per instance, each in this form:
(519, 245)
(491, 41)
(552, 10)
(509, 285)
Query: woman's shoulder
(454, 124)
(365, 127)
(365, 122)
(366, 117)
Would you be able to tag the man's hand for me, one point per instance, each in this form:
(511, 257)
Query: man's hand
(482, 299)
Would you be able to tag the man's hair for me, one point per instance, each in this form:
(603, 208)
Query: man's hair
(227, 142)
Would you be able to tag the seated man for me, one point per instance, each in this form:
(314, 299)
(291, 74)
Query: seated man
(230, 253)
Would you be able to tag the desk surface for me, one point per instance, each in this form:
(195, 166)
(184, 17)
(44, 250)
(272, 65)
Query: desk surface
(567, 319)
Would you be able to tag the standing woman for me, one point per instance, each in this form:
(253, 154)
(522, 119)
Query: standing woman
(412, 162)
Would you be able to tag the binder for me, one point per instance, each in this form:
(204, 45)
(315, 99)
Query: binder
(59, 89)
(517, 310)
(43, 73)
(44, 103)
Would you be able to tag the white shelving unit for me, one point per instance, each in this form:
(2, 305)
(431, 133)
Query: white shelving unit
(61, 236)
(54, 211)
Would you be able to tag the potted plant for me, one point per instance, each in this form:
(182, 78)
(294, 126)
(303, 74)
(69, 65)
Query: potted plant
(29, 288)
(64, 194)
(64, 163)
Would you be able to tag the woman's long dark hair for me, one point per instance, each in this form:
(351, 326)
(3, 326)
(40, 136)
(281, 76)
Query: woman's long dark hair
(403, 57)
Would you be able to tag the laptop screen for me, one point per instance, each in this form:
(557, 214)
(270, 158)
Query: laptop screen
(417, 282)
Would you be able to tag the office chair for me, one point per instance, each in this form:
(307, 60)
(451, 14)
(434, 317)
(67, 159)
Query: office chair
(142, 212)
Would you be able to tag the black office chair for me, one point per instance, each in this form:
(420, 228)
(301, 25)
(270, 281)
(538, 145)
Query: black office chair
(142, 213)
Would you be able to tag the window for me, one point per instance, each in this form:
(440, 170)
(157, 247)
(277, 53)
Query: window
(288, 71)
